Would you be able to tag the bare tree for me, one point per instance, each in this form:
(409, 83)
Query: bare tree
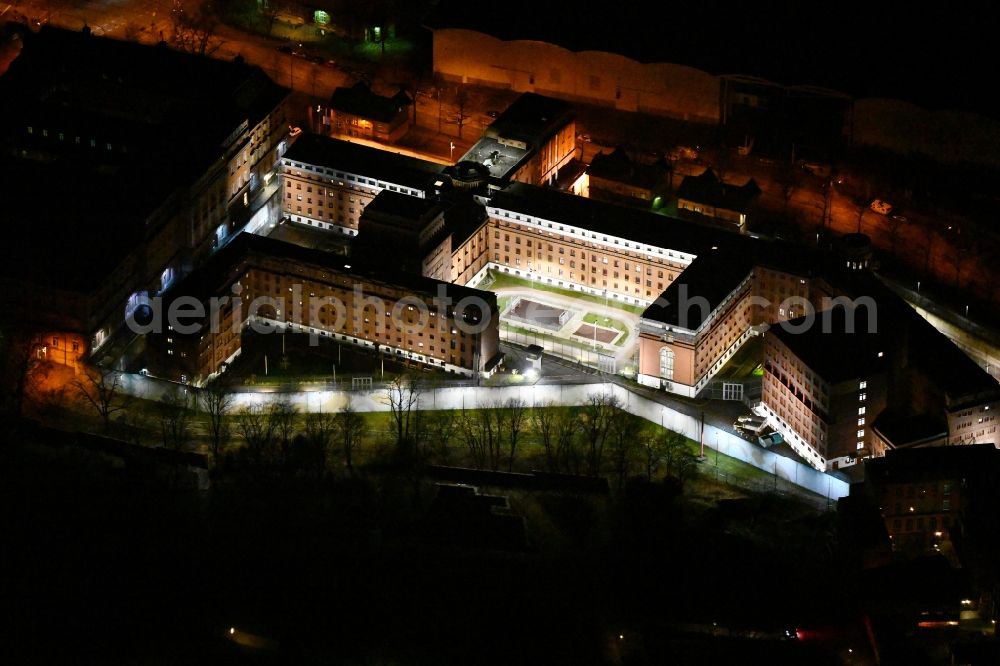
(625, 434)
(130, 424)
(282, 414)
(544, 420)
(568, 431)
(269, 15)
(676, 452)
(317, 433)
(654, 451)
(516, 412)
(101, 388)
(216, 401)
(175, 419)
(403, 393)
(193, 29)
(257, 429)
(350, 426)
(894, 229)
(787, 179)
(439, 429)
(482, 430)
(464, 102)
(596, 418)
(19, 366)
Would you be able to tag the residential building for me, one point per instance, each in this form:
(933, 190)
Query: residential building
(710, 196)
(619, 178)
(358, 112)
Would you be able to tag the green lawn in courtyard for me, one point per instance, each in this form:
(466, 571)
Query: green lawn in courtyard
(505, 281)
(608, 322)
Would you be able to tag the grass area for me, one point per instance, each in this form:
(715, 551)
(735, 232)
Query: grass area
(744, 363)
(608, 322)
(506, 281)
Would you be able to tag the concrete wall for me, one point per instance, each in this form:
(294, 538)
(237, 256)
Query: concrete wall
(460, 397)
(595, 77)
(947, 136)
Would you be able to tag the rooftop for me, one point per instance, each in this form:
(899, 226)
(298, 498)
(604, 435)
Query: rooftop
(412, 209)
(710, 190)
(531, 119)
(359, 100)
(709, 279)
(629, 223)
(619, 167)
(356, 158)
(497, 158)
(836, 346)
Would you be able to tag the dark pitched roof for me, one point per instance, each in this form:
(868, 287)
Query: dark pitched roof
(709, 279)
(359, 100)
(618, 167)
(600, 217)
(833, 348)
(708, 189)
(380, 164)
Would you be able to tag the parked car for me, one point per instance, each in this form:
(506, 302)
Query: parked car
(881, 207)
(770, 439)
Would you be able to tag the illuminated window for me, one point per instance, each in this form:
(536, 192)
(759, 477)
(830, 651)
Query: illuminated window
(861, 433)
(863, 385)
(666, 363)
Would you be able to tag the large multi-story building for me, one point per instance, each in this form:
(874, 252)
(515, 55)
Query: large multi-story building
(706, 291)
(529, 142)
(267, 284)
(825, 381)
(923, 494)
(139, 161)
(326, 183)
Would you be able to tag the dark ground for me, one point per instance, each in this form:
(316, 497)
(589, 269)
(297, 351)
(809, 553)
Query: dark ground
(106, 565)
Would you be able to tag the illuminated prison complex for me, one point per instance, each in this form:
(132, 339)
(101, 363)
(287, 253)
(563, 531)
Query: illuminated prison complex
(271, 285)
(706, 291)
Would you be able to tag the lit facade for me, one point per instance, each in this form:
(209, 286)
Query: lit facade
(824, 392)
(291, 288)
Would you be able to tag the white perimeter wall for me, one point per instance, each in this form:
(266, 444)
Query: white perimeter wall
(469, 397)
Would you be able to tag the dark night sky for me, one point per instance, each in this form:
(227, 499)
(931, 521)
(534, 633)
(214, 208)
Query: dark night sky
(939, 58)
